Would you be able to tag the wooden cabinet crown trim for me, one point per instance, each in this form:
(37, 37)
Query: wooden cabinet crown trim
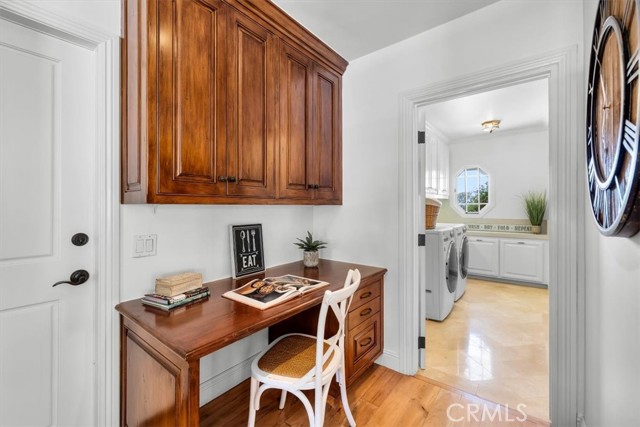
(291, 30)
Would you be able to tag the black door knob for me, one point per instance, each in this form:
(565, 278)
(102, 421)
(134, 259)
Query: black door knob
(78, 277)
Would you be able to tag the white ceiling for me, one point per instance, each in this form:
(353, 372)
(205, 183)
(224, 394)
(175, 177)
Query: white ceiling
(524, 107)
(355, 28)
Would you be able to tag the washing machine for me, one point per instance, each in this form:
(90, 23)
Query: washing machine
(462, 244)
(441, 270)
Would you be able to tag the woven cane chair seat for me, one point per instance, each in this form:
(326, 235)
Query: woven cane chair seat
(292, 357)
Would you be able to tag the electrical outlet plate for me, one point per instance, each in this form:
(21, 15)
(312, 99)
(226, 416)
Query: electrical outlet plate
(145, 245)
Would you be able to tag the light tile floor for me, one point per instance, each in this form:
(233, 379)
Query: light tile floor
(495, 344)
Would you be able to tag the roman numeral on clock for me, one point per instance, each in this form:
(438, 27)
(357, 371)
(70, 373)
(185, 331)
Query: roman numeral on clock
(632, 66)
(592, 174)
(630, 142)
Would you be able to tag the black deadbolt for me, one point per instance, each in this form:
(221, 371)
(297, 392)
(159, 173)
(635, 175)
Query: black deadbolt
(79, 239)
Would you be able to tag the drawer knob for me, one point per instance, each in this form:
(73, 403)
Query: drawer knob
(365, 295)
(365, 312)
(366, 342)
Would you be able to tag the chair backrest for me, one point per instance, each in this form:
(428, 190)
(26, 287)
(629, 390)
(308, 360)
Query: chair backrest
(339, 302)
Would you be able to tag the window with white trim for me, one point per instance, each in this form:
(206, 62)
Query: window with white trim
(472, 191)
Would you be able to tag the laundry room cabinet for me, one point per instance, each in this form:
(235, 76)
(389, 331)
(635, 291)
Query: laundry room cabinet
(437, 164)
(523, 260)
(484, 256)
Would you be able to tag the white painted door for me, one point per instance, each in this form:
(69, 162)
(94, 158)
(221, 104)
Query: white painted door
(47, 141)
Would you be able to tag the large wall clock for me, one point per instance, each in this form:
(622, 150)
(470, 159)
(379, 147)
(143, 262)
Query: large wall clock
(613, 104)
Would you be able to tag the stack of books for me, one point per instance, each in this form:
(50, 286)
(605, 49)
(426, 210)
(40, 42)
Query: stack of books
(176, 291)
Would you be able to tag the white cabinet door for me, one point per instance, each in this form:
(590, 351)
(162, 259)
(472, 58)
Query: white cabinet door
(431, 173)
(484, 256)
(443, 169)
(437, 166)
(522, 260)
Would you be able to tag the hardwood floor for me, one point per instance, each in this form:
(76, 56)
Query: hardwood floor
(495, 345)
(381, 397)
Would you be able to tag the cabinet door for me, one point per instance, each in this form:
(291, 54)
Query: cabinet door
(484, 256)
(327, 129)
(443, 169)
(522, 260)
(252, 112)
(295, 124)
(187, 109)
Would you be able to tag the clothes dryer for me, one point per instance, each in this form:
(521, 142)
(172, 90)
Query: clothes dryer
(441, 272)
(462, 245)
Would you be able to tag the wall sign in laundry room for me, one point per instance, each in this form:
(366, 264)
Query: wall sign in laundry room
(506, 228)
(247, 254)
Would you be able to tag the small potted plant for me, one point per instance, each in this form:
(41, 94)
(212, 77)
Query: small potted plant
(535, 204)
(310, 248)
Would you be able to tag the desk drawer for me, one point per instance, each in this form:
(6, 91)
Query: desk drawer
(363, 313)
(364, 346)
(366, 294)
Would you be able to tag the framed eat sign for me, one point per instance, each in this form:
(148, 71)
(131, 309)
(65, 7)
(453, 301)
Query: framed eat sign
(613, 118)
(247, 253)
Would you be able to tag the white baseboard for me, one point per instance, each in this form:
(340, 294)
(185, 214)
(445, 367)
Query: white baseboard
(389, 359)
(223, 382)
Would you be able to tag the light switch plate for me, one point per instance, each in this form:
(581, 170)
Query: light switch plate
(145, 245)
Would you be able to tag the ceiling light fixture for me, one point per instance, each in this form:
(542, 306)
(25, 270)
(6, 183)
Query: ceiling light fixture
(490, 125)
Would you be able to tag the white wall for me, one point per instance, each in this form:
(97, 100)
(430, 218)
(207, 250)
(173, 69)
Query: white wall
(366, 227)
(612, 374)
(197, 238)
(100, 14)
(516, 163)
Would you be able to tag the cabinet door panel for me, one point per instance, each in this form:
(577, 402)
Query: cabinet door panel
(327, 130)
(252, 116)
(295, 128)
(484, 257)
(522, 260)
(191, 101)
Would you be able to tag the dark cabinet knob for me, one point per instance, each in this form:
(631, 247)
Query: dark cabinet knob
(78, 277)
(232, 179)
(316, 186)
(222, 178)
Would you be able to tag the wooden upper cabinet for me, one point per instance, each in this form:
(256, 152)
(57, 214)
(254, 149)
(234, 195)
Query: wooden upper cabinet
(296, 149)
(251, 122)
(217, 108)
(310, 145)
(191, 100)
(327, 134)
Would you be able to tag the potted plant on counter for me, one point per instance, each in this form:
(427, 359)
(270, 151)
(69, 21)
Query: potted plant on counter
(535, 204)
(310, 248)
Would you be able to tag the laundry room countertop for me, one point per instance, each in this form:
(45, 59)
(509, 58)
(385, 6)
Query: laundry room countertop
(505, 235)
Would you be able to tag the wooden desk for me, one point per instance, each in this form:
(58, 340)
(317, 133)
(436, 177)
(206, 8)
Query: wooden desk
(160, 352)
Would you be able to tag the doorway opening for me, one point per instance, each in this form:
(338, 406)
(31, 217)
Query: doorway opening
(565, 216)
(487, 303)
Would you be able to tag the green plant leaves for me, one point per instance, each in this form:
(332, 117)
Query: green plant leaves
(308, 244)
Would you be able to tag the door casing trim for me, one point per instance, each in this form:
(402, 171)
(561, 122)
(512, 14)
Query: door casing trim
(566, 214)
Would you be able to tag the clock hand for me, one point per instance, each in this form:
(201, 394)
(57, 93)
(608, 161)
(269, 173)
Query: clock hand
(607, 105)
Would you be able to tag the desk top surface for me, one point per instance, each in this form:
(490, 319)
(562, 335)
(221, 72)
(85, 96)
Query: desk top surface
(203, 327)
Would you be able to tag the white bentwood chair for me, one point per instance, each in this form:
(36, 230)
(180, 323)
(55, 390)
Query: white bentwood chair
(297, 362)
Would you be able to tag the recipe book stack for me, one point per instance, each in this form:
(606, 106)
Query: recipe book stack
(176, 291)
